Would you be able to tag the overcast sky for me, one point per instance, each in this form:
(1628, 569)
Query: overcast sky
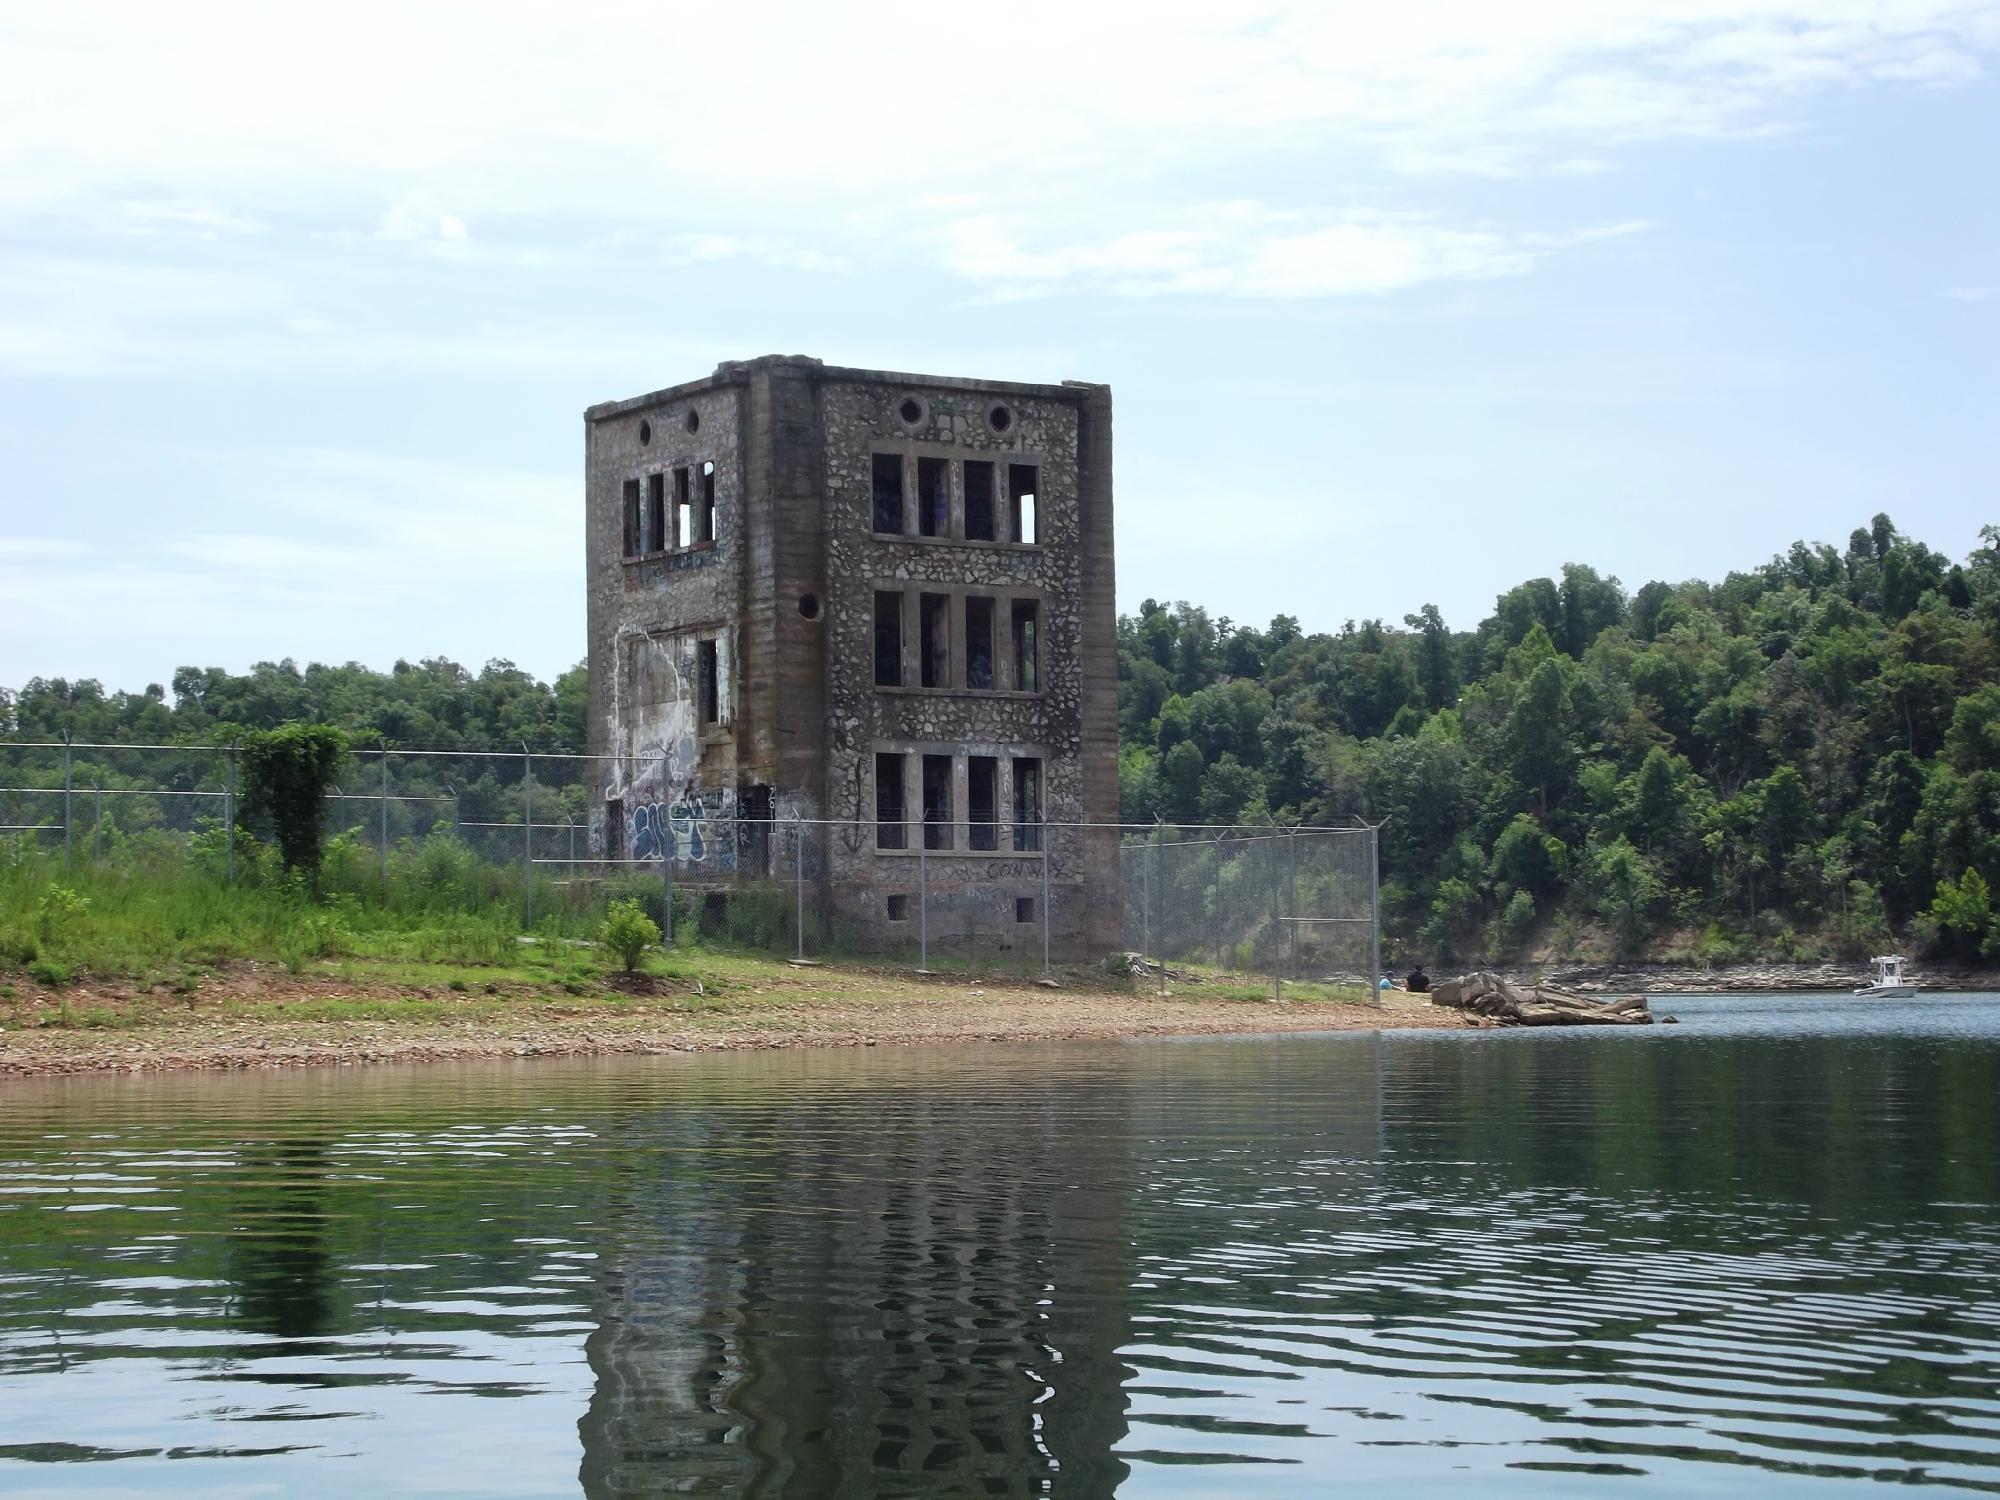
(300, 309)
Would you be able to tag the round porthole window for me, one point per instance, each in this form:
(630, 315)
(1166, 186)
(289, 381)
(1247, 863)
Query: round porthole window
(645, 433)
(912, 410)
(1000, 417)
(693, 420)
(809, 606)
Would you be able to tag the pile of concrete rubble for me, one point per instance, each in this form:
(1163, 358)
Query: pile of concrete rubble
(1487, 1000)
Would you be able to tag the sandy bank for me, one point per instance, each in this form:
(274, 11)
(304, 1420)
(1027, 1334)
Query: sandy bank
(264, 1020)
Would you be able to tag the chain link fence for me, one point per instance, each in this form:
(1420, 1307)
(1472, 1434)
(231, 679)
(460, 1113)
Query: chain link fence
(1292, 906)
(515, 836)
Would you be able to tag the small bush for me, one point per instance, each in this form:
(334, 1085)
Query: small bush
(49, 971)
(18, 947)
(759, 916)
(628, 932)
(59, 917)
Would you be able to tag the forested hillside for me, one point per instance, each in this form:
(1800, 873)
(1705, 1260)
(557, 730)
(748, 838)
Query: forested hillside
(1802, 759)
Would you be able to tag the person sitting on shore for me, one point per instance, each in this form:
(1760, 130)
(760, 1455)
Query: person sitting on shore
(1418, 982)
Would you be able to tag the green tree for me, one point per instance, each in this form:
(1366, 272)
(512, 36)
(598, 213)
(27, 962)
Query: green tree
(287, 773)
(1963, 912)
(1628, 889)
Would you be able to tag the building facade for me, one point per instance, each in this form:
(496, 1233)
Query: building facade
(878, 603)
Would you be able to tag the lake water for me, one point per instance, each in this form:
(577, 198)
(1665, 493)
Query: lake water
(1754, 1254)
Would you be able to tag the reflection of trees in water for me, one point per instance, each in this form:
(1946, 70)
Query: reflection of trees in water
(278, 1257)
(922, 1296)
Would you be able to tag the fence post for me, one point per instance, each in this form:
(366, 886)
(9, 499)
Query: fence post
(1145, 902)
(385, 820)
(528, 836)
(1159, 837)
(97, 826)
(799, 884)
(1292, 895)
(229, 811)
(572, 844)
(1375, 914)
(1278, 913)
(923, 897)
(1048, 857)
(68, 862)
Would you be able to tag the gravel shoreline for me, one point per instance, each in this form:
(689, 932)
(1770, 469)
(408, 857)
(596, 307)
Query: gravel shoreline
(913, 1015)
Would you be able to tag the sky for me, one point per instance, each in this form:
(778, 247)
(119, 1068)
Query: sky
(300, 309)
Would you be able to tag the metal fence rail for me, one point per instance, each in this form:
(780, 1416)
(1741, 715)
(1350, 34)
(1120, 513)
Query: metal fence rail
(516, 831)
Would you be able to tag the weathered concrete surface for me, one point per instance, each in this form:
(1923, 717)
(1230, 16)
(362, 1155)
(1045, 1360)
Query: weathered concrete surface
(786, 593)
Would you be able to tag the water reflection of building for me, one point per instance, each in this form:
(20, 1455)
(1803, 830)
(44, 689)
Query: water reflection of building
(924, 1295)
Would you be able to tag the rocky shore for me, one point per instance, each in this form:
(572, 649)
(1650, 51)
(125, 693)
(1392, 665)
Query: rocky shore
(1679, 979)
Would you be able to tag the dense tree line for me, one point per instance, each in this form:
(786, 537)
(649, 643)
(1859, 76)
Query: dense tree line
(1800, 759)
(1803, 758)
(431, 705)
(428, 705)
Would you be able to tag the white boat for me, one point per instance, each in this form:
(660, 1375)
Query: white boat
(1888, 983)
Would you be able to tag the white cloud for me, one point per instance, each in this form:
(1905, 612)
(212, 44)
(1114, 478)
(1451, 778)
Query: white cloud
(150, 217)
(1251, 250)
(1972, 293)
(416, 216)
(648, 107)
(349, 547)
(21, 548)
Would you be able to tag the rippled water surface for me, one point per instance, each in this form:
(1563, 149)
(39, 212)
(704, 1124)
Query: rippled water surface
(1754, 1254)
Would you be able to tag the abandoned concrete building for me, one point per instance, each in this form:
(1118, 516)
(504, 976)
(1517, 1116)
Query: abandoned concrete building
(879, 602)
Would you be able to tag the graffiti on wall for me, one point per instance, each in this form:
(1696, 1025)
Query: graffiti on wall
(667, 813)
(696, 830)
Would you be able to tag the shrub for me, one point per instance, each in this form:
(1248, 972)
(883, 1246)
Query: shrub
(1511, 927)
(59, 916)
(288, 772)
(628, 932)
(49, 971)
(759, 916)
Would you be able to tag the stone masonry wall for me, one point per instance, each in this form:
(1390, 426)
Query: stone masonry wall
(645, 617)
(972, 895)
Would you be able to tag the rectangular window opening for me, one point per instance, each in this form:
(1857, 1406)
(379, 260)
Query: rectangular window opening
(888, 639)
(934, 625)
(982, 800)
(978, 500)
(1027, 663)
(933, 497)
(634, 520)
(938, 831)
(978, 641)
(899, 908)
(705, 518)
(1024, 908)
(708, 664)
(889, 493)
(656, 512)
(1021, 495)
(1027, 804)
(891, 831)
(682, 504)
